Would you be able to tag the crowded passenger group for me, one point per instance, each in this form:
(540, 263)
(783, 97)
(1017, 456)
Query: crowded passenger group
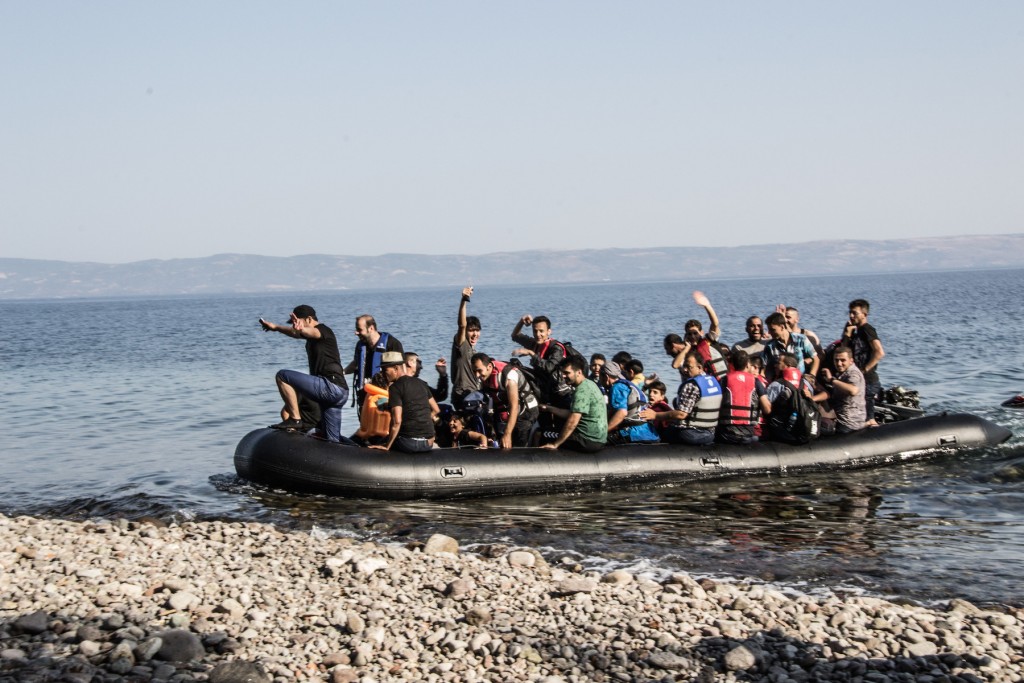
(779, 383)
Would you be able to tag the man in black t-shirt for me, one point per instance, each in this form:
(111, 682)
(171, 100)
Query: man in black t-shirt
(325, 384)
(412, 408)
(861, 337)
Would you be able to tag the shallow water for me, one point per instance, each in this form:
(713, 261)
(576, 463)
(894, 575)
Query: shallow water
(133, 408)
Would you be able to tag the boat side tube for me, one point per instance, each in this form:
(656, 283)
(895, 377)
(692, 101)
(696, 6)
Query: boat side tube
(299, 463)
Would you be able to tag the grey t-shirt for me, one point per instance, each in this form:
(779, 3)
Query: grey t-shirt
(850, 410)
(463, 379)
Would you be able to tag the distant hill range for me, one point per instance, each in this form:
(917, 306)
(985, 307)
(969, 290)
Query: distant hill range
(240, 273)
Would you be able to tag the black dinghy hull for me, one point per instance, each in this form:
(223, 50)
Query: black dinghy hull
(299, 463)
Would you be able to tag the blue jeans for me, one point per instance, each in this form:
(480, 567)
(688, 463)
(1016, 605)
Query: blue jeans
(870, 392)
(405, 444)
(328, 395)
(688, 436)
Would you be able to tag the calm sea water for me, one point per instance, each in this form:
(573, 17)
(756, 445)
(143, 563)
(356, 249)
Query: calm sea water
(133, 408)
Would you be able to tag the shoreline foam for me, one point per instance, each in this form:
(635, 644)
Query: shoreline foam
(227, 601)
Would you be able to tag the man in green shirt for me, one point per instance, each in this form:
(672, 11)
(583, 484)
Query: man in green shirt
(586, 421)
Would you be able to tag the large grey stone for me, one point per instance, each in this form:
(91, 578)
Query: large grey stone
(179, 645)
(32, 624)
(667, 660)
(571, 586)
(478, 615)
(739, 659)
(239, 671)
(439, 543)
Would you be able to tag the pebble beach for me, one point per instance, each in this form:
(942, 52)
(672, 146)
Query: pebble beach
(230, 601)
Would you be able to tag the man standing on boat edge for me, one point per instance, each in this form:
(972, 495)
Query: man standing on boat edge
(325, 384)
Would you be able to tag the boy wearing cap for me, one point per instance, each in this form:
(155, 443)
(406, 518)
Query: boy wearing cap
(625, 402)
(324, 385)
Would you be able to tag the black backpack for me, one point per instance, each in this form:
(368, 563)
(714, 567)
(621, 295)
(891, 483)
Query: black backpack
(532, 384)
(572, 352)
(795, 418)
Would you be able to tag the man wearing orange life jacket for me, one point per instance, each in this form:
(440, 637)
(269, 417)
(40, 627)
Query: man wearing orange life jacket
(743, 399)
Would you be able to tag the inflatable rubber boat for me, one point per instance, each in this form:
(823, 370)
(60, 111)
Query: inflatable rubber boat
(295, 462)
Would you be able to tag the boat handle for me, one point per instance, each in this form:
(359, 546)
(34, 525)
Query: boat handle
(711, 462)
(948, 440)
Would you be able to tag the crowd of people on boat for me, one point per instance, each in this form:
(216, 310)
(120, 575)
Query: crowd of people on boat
(779, 383)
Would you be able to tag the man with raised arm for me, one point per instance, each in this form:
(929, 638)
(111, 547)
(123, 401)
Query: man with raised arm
(464, 380)
(325, 384)
(546, 354)
(697, 340)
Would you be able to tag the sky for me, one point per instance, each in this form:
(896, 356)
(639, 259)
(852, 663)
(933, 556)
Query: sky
(159, 130)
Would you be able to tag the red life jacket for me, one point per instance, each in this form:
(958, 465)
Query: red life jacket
(542, 350)
(714, 362)
(494, 386)
(738, 394)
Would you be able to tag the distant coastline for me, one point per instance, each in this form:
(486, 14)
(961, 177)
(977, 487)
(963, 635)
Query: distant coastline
(250, 274)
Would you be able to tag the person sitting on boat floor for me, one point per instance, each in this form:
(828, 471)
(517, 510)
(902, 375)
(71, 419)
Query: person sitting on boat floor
(597, 361)
(785, 341)
(754, 343)
(369, 350)
(546, 353)
(743, 399)
(463, 437)
(634, 372)
(414, 366)
(656, 393)
(464, 380)
(585, 426)
(513, 399)
(411, 406)
(845, 391)
(325, 384)
(792, 316)
(625, 403)
(698, 402)
(695, 339)
(862, 339)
